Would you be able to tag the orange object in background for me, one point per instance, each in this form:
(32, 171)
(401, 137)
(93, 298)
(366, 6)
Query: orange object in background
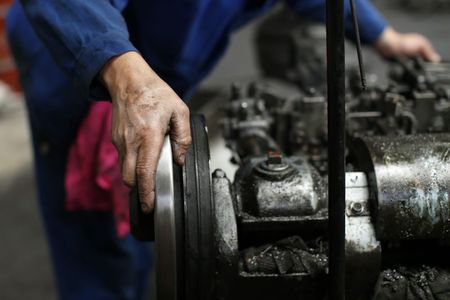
(8, 72)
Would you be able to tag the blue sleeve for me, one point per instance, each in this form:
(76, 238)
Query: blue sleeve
(81, 35)
(371, 23)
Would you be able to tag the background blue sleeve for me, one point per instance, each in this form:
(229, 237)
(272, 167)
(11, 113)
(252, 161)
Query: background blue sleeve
(371, 23)
(81, 35)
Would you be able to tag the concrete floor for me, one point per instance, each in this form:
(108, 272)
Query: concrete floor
(24, 262)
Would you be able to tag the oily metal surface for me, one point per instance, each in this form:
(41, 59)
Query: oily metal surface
(410, 182)
(165, 227)
(362, 249)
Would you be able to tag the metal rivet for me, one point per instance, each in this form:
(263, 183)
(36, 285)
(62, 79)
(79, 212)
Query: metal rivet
(356, 208)
(219, 173)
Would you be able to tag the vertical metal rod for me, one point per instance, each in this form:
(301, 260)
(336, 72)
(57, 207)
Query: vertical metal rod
(336, 146)
(358, 45)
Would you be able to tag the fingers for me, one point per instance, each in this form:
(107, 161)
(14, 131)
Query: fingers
(394, 44)
(146, 164)
(123, 140)
(146, 161)
(413, 45)
(129, 167)
(143, 107)
(180, 134)
(428, 53)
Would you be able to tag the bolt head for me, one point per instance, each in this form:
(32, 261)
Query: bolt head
(274, 158)
(219, 173)
(357, 208)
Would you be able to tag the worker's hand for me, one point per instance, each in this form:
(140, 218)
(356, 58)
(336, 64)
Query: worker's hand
(145, 109)
(393, 44)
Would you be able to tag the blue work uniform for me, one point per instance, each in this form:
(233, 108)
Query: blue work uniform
(59, 47)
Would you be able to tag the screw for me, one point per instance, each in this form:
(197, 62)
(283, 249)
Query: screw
(274, 158)
(219, 173)
(357, 208)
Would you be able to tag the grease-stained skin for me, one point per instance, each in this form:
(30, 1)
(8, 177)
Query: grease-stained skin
(145, 109)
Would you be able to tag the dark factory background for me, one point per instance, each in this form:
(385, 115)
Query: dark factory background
(24, 260)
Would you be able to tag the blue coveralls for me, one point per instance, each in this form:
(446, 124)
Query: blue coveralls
(182, 40)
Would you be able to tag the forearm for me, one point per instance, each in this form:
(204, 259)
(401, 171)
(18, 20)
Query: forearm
(90, 42)
(81, 36)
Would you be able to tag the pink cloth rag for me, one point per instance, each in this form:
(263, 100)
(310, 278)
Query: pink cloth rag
(93, 176)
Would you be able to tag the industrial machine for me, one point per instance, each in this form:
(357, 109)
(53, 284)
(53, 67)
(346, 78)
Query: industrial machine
(302, 45)
(264, 235)
(276, 230)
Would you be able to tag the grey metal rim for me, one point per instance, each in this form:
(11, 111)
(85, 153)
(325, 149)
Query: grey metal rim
(165, 227)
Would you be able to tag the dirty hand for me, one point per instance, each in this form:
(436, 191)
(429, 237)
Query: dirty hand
(145, 109)
(394, 44)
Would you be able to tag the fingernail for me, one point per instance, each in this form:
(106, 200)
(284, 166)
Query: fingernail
(145, 208)
(181, 158)
(434, 57)
(152, 201)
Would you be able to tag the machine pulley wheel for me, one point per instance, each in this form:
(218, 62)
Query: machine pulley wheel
(182, 224)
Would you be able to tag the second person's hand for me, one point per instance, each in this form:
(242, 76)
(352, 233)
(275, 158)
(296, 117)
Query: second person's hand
(393, 44)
